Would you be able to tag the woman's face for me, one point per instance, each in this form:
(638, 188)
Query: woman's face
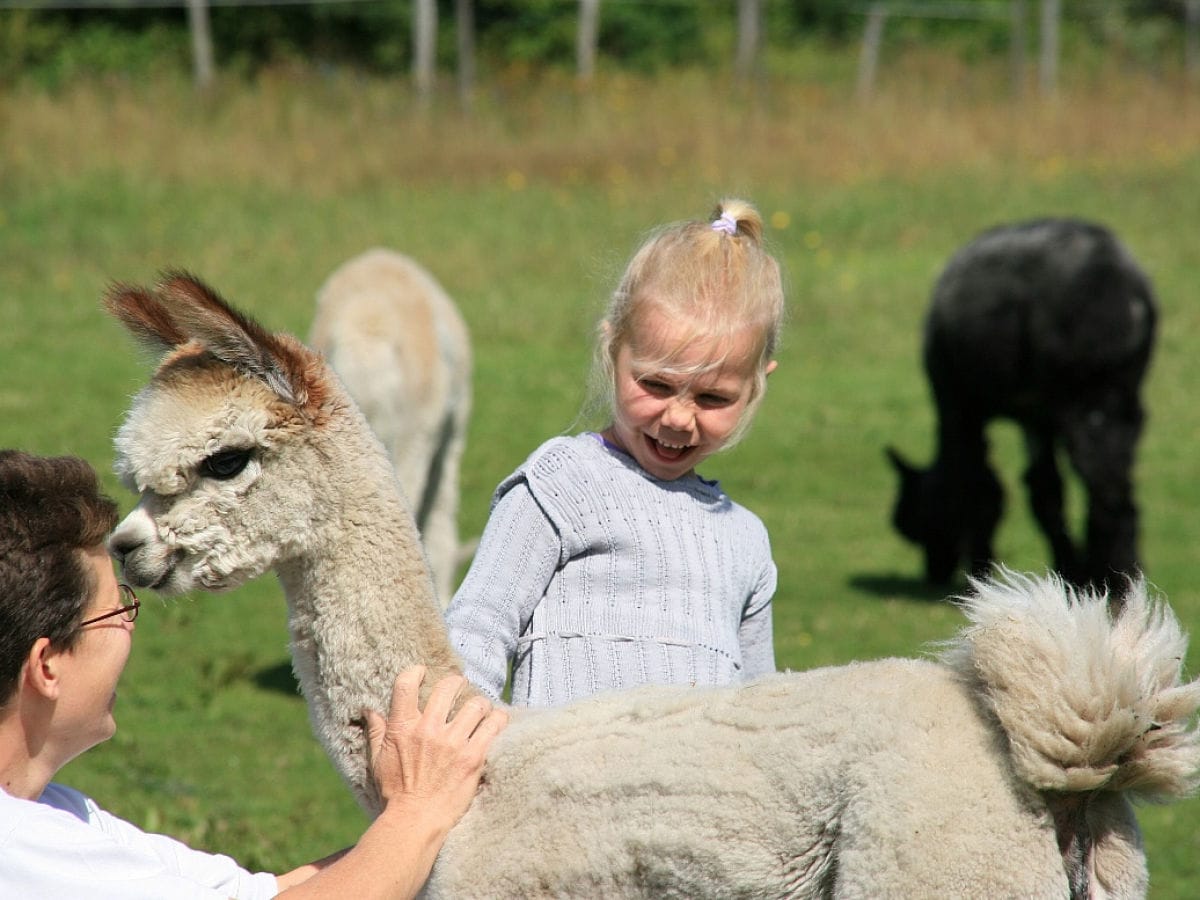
(91, 669)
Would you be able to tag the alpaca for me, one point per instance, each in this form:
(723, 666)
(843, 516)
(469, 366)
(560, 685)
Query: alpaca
(403, 353)
(1050, 323)
(1006, 769)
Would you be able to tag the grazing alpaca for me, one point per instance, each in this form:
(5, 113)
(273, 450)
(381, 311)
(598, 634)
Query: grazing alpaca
(896, 778)
(1050, 323)
(403, 353)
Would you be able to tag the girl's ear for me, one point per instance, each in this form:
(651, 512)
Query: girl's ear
(41, 668)
(771, 366)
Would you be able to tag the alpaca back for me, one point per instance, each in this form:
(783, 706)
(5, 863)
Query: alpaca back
(402, 350)
(796, 785)
(1004, 772)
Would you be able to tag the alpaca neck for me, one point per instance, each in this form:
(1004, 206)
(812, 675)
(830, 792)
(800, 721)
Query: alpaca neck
(361, 601)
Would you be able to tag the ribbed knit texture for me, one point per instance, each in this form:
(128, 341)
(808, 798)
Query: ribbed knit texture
(592, 574)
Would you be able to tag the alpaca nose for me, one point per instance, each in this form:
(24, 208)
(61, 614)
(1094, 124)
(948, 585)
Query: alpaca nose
(120, 546)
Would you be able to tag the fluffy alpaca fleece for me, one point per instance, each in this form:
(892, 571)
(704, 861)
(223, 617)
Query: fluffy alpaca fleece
(402, 351)
(1051, 324)
(1006, 769)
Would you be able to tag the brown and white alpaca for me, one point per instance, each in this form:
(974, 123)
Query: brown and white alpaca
(403, 352)
(1004, 770)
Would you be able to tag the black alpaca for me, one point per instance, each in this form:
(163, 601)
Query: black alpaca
(1050, 323)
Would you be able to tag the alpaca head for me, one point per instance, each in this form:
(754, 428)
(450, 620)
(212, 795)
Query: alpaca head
(948, 524)
(228, 404)
(917, 516)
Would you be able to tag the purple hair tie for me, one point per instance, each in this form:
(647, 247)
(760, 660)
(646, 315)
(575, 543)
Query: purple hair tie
(726, 224)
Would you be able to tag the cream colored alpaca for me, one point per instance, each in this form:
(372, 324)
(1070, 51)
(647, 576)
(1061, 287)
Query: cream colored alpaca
(898, 778)
(403, 352)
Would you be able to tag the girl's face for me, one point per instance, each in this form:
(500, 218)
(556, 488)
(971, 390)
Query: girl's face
(670, 422)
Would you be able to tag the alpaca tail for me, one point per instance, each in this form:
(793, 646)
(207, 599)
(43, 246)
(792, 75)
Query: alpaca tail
(1090, 701)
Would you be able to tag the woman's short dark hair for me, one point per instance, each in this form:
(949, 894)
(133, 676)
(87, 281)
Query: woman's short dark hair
(51, 512)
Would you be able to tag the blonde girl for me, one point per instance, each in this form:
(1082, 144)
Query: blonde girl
(607, 561)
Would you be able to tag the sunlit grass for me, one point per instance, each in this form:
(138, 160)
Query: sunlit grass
(526, 211)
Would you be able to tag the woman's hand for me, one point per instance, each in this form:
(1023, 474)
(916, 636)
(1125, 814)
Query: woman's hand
(426, 766)
(426, 760)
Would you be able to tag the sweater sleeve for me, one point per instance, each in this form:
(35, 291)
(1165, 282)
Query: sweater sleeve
(518, 553)
(756, 633)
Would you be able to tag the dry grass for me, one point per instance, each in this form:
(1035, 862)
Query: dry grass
(341, 132)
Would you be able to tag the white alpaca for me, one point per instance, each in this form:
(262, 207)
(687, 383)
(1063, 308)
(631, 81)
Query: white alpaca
(1006, 770)
(402, 351)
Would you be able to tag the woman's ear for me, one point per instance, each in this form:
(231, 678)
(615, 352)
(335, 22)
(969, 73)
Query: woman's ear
(41, 668)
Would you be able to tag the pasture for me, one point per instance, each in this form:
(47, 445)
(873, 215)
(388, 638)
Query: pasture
(526, 213)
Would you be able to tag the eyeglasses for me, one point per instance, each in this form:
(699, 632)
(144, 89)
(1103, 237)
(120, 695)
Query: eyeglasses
(128, 612)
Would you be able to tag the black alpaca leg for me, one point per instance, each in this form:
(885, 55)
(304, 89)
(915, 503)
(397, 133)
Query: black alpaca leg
(983, 517)
(1044, 485)
(1101, 446)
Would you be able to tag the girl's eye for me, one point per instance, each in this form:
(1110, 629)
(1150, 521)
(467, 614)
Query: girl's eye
(713, 400)
(653, 386)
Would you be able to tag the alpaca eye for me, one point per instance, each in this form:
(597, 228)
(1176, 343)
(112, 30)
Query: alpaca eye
(225, 464)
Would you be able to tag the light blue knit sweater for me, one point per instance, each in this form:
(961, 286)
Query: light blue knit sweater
(592, 574)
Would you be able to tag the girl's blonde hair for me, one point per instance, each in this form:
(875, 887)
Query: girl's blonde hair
(715, 278)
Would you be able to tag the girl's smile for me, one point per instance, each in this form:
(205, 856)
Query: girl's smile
(679, 398)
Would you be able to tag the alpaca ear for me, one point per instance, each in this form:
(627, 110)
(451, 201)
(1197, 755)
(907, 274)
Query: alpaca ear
(144, 316)
(234, 338)
(183, 309)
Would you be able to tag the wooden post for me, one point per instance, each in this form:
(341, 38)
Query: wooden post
(424, 47)
(1048, 62)
(749, 37)
(868, 61)
(1017, 43)
(202, 49)
(1191, 41)
(464, 20)
(587, 36)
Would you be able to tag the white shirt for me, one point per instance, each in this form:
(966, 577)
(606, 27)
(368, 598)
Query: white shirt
(65, 847)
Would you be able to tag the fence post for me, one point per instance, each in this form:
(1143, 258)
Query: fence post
(1017, 39)
(749, 37)
(587, 36)
(464, 19)
(202, 50)
(1048, 64)
(868, 61)
(1191, 41)
(424, 45)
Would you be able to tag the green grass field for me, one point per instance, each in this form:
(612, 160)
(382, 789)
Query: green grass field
(527, 213)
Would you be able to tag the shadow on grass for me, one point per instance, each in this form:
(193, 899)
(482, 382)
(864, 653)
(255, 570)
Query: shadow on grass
(279, 678)
(902, 587)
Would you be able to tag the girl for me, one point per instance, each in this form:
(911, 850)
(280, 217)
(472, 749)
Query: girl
(607, 562)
